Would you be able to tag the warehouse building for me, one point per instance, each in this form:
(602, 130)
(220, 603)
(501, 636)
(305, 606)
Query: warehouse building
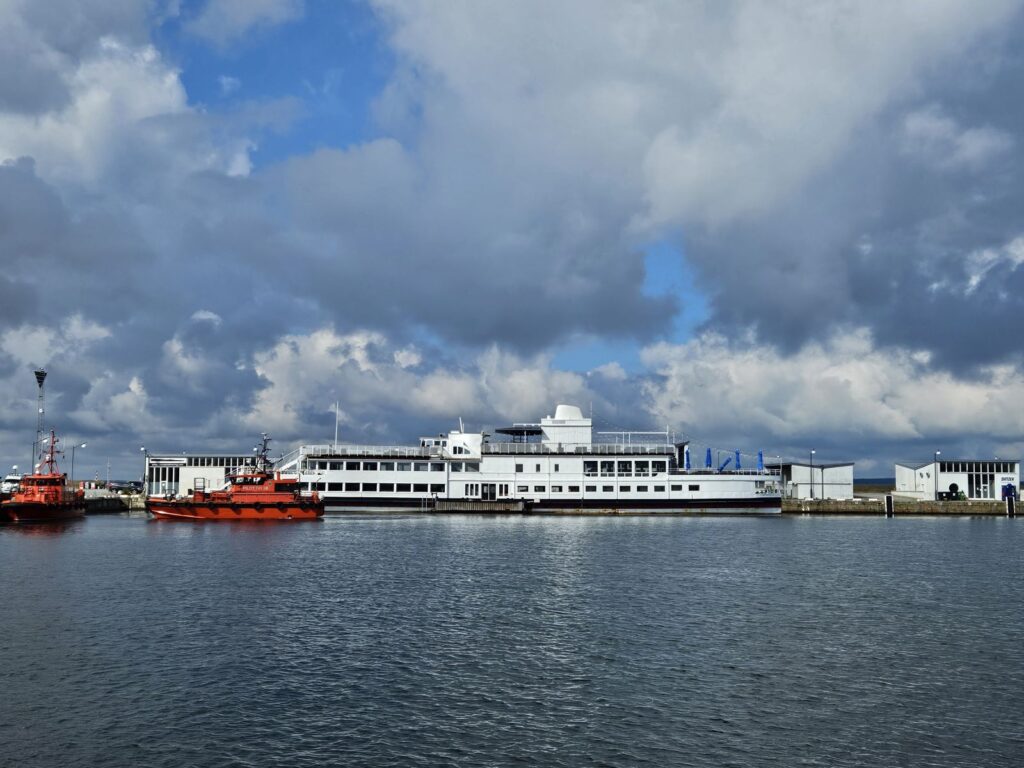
(959, 479)
(803, 480)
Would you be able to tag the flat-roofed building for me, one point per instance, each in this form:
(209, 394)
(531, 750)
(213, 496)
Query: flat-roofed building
(175, 474)
(803, 480)
(975, 479)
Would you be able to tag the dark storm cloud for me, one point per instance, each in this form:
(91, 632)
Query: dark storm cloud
(885, 237)
(388, 250)
(43, 41)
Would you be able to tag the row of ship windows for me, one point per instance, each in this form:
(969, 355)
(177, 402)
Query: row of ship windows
(474, 488)
(393, 466)
(624, 468)
(377, 487)
(590, 468)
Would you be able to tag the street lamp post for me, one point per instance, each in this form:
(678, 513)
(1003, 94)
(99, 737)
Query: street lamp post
(810, 471)
(145, 462)
(73, 447)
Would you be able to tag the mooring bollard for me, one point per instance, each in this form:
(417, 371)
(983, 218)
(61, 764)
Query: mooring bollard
(890, 507)
(1011, 506)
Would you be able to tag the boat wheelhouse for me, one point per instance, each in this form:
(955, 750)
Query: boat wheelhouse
(554, 465)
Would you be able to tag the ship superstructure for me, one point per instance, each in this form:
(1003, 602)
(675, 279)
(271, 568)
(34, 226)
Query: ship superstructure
(551, 465)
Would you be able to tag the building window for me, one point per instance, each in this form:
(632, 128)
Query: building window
(694, 487)
(437, 487)
(641, 489)
(421, 466)
(437, 466)
(335, 486)
(556, 489)
(372, 487)
(456, 466)
(472, 466)
(522, 489)
(352, 466)
(591, 489)
(335, 466)
(387, 487)
(538, 467)
(519, 467)
(321, 486)
(590, 468)
(642, 468)
(403, 488)
(623, 489)
(574, 489)
(351, 486)
(556, 467)
(625, 468)
(370, 466)
(659, 489)
(420, 488)
(607, 468)
(404, 466)
(538, 489)
(658, 467)
(387, 466)
(608, 489)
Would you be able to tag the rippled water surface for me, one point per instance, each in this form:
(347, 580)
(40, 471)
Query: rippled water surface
(513, 641)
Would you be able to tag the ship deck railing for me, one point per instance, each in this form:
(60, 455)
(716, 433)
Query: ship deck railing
(396, 451)
(597, 449)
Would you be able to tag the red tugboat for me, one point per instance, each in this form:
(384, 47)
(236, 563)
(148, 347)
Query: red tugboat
(255, 493)
(44, 496)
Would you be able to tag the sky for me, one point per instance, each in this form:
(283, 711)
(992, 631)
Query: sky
(766, 226)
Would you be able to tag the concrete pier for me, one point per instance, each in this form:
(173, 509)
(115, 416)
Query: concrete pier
(901, 507)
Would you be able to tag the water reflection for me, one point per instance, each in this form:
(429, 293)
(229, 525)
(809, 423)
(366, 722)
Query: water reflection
(55, 528)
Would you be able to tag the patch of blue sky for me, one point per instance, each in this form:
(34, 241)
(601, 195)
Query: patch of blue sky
(332, 59)
(666, 272)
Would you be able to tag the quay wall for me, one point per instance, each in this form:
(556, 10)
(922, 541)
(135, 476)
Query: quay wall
(901, 507)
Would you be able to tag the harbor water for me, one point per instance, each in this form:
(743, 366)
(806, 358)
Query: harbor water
(513, 641)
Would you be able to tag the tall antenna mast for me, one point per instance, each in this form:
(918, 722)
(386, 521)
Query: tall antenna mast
(40, 411)
(335, 425)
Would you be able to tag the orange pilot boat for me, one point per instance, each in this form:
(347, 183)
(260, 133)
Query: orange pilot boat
(43, 496)
(255, 493)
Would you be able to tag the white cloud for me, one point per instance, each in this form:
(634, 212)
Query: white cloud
(228, 84)
(612, 371)
(980, 262)
(207, 316)
(39, 345)
(846, 388)
(934, 137)
(127, 109)
(223, 21)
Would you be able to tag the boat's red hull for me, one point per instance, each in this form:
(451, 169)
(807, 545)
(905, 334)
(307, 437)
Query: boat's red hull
(39, 512)
(190, 510)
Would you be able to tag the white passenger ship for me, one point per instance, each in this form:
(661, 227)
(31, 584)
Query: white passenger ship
(551, 466)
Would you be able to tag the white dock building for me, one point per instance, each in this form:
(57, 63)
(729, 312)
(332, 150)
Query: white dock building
(803, 480)
(974, 479)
